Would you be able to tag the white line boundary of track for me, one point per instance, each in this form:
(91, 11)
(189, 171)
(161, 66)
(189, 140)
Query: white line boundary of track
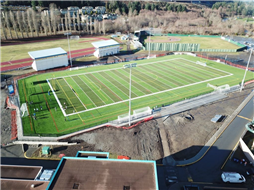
(56, 98)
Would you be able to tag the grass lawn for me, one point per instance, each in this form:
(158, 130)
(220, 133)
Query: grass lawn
(205, 43)
(99, 94)
(14, 52)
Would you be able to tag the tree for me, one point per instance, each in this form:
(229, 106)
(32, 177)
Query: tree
(52, 9)
(3, 29)
(30, 21)
(35, 22)
(78, 21)
(49, 24)
(33, 4)
(24, 23)
(66, 22)
(7, 21)
(148, 6)
(14, 24)
(44, 23)
(152, 7)
(69, 19)
(91, 25)
(40, 3)
(20, 23)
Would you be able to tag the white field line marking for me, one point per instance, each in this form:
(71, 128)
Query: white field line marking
(142, 81)
(113, 69)
(83, 91)
(74, 93)
(108, 88)
(59, 104)
(113, 85)
(100, 89)
(210, 67)
(188, 65)
(133, 81)
(185, 72)
(158, 78)
(132, 87)
(154, 93)
(92, 90)
(177, 75)
(122, 85)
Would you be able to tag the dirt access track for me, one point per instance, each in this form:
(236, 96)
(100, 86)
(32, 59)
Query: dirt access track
(185, 137)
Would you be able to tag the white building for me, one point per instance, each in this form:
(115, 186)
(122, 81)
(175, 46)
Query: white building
(49, 58)
(100, 9)
(105, 48)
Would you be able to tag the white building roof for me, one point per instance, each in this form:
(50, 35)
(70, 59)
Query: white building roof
(46, 53)
(104, 43)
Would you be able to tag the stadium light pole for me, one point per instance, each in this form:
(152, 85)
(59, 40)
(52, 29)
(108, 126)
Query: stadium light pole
(67, 34)
(150, 42)
(130, 66)
(246, 70)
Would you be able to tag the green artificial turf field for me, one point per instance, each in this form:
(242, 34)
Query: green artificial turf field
(95, 95)
(205, 42)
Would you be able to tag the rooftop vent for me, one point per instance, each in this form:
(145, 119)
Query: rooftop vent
(126, 187)
(75, 186)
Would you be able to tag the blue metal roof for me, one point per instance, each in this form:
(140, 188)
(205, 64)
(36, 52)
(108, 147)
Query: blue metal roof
(46, 53)
(104, 43)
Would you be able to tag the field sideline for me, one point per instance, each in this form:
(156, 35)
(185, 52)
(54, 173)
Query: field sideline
(99, 94)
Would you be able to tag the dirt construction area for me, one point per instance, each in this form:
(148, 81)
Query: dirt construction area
(185, 137)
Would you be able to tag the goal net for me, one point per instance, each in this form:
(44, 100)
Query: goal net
(142, 112)
(222, 88)
(138, 113)
(23, 110)
(201, 63)
(74, 37)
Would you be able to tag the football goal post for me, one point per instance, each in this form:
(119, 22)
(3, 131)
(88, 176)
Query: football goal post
(24, 110)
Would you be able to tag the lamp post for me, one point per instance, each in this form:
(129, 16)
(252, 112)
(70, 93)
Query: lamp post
(150, 42)
(130, 66)
(246, 70)
(67, 34)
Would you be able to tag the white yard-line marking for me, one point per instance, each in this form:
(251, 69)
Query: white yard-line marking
(92, 90)
(113, 85)
(74, 93)
(200, 69)
(155, 93)
(110, 90)
(158, 78)
(176, 75)
(121, 85)
(133, 81)
(113, 69)
(59, 104)
(142, 81)
(90, 81)
(208, 66)
(84, 92)
(132, 87)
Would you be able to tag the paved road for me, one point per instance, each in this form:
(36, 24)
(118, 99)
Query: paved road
(208, 169)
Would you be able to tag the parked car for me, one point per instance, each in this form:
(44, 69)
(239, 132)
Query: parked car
(232, 177)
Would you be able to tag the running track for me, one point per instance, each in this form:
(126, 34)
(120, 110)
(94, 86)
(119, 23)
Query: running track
(15, 64)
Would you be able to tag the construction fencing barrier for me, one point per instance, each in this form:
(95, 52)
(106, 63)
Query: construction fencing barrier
(172, 47)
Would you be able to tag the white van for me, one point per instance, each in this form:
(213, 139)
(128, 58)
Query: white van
(232, 177)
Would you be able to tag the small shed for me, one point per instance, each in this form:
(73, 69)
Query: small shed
(105, 48)
(49, 58)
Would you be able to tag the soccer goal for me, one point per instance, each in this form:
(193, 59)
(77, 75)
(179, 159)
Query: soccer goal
(201, 63)
(24, 110)
(220, 89)
(142, 112)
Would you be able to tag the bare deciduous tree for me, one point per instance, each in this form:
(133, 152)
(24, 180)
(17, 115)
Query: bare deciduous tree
(35, 22)
(91, 25)
(3, 29)
(14, 24)
(53, 16)
(66, 22)
(25, 23)
(30, 21)
(69, 20)
(44, 23)
(7, 21)
(20, 23)
(78, 21)
(49, 24)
